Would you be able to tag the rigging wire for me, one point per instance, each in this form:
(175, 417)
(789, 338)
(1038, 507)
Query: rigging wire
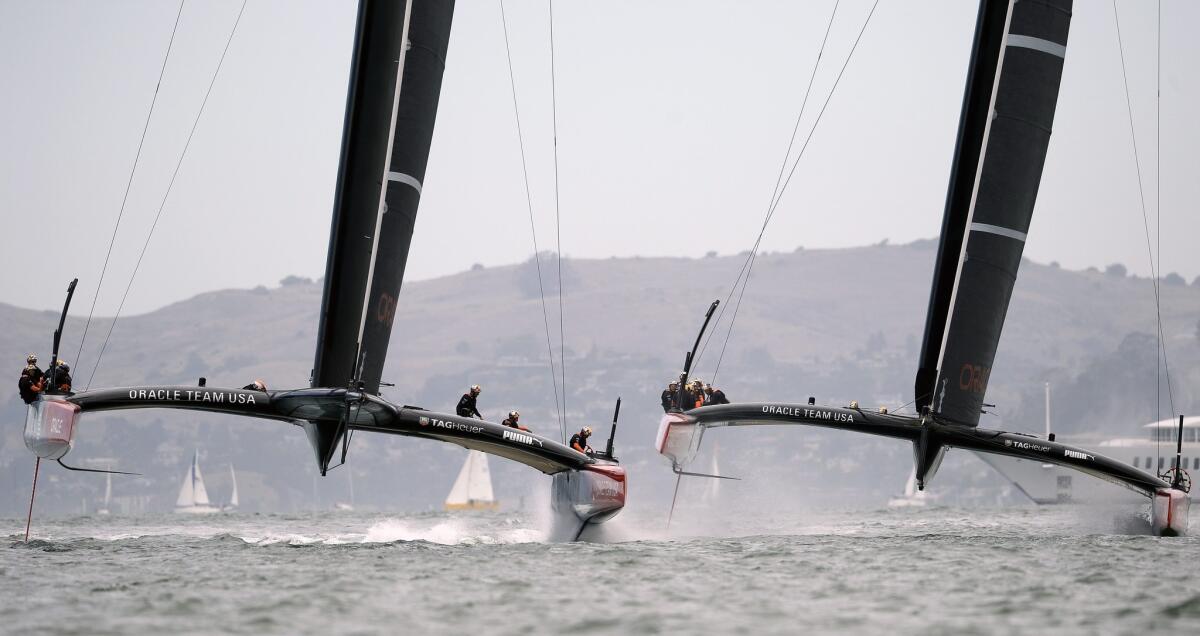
(562, 338)
(532, 226)
(791, 173)
(779, 178)
(166, 194)
(1161, 365)
(129, 183)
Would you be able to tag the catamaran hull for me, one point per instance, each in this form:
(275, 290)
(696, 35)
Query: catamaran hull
(592, 495)
(50, 427)
(1169, 513)
(678, 438)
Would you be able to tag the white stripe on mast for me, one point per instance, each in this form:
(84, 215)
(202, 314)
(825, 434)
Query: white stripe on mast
(962, 255)
(387, 172)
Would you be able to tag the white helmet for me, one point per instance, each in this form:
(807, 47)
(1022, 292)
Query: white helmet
(513, 415)
(475, 389)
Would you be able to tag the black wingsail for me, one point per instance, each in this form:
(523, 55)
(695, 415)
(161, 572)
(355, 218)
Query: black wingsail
(1008, 113)
(395, 81)
(396, 77)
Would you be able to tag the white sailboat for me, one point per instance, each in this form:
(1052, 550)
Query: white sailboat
(193, 496)
(233, 496)
(473, 488)
(104, 509)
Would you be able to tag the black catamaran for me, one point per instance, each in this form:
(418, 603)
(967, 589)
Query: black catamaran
(395, 80)
(1008, 111)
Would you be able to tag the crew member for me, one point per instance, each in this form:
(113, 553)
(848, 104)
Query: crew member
(579, 441)
(670, 397)
(714, 395)
(688, 401)
(466, 404)
(697, 394)
(32, 380)
(511, 421)
(62, 377)
(257, 385)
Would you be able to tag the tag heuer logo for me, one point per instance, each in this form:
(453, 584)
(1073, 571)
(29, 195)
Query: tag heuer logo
(423, 421)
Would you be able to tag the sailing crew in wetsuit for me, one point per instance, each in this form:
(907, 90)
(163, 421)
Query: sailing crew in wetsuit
(466, 404)
(670, 397)
(714, 396)
(511, 421)
(32, 380)
(579, 441)
(257, 385)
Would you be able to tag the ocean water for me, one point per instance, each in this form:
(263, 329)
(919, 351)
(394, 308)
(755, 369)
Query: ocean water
(1061, 570)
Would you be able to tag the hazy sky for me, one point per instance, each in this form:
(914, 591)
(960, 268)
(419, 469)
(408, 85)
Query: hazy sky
(672, 120)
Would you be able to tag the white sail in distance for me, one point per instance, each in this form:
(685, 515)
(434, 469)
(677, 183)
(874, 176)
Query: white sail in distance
(193, 496)
(233, 497)
(472, 489)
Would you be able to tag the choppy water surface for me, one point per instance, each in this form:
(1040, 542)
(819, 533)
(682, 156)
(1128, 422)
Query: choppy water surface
(931, 571)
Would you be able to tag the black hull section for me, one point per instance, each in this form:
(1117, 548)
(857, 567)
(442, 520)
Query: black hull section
(314, 409)
(929, 437)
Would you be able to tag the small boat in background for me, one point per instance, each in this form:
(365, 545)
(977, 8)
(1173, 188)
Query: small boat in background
(473, 488)
(104, 509)
(232, 506)
(193, 496)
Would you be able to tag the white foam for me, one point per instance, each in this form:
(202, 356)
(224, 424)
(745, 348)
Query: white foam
(447, 532)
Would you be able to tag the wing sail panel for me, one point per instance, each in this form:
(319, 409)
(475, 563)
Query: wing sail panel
(396, 76)
(997, 220)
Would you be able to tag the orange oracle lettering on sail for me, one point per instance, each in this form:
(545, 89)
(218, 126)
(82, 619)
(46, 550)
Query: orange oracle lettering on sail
(973, 377)
(387, 309)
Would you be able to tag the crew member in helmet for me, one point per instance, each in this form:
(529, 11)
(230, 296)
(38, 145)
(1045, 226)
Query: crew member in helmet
(688, 401)
(32, 380)
(466, 404)
(714, 395)
(62, 377)
(579, 441)
(512, 421)
(670, 397)
(257, 385)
